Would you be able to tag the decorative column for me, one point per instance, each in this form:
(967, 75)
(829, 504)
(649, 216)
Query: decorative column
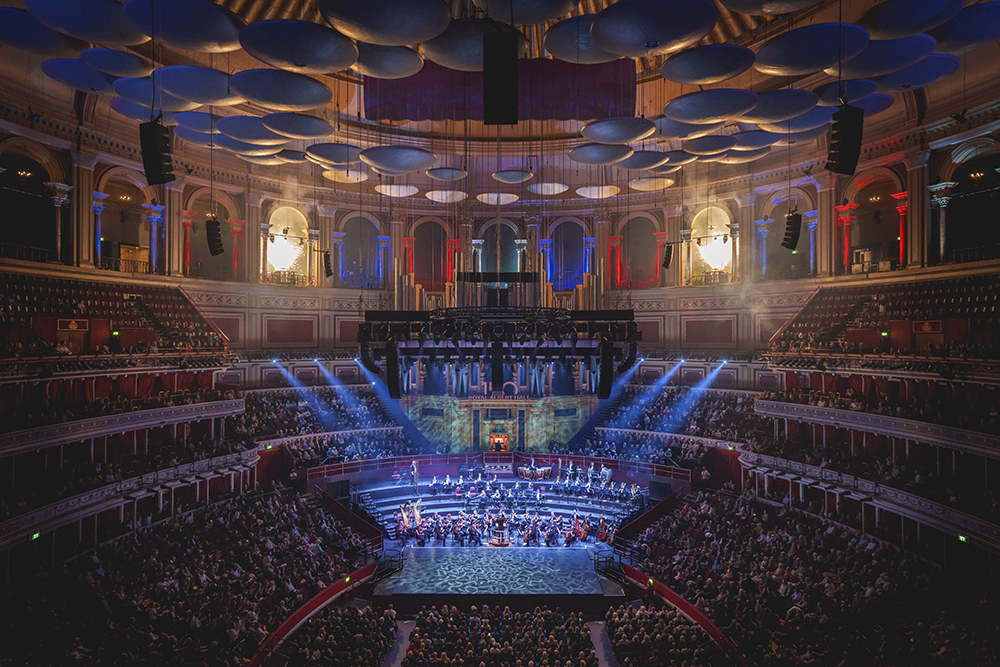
(826, 234)
(60, 197)
(918, 208)
(734, 238)
(589, 246)
(901, 208)
(812, 222)
(661, 240)
(383, 257)
(312, 262)
(98, 206)
(762, 232)
(396, 251)
(534, 233)
(522, 254)
(255, 242)
(602, 230)
(477, 254)
(686, 274)
(408, 243)
(744, 251)
(82, 201)
(940, 196)
(615, 260)
(265, 241)
(845, 216)
(236, 229)
(465, 236)
(187, 224)
(452, 246)
(173, 248)
(545, 247)
(154, 216)
(338, 244)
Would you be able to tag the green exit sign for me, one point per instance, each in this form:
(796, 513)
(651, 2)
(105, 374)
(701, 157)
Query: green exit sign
(35, 536)
(963, 538)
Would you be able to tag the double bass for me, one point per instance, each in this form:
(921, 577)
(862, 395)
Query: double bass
(584, 531)
(602, 530)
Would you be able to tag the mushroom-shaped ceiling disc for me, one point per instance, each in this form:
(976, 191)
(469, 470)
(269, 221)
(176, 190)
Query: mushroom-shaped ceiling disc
(205, 139)
(297, 125)
(668, 168)
(803, 136)
(79, 75)
(345, 175)
(193, 25)
(548, 189)
(598, 191)
(901, 18)
(642, 28)
(139, 112)
(883, 56)
(618, 130)
(400, 159)
(852, 89)
(497, 198)
(814, 118)
(679, 158)
(644, 160)
(280, 90)
(526, 12)
(140, 90)
(767, 7)
(776, 105)
(387, 62)
(396, 190)
(199, 121)
(267, 161)
(387, 22)
(447, 174)
(600, 153)
(460, 47)
(874, 104)
(931, 69)
(337, 154)
(710, 145)
(243, 148)
(24, 32)
(298, 46)
(753, 140)
(570, 40)
(707, 64)
(291, 156)
(98, 21)
(650, 184)
(251, 130)
(117, 63)
(711, 106)
(198, 84)
(742, 157)
(671, 129)
(446, 196)
(810, 48)
(974, 25)
(511, 176)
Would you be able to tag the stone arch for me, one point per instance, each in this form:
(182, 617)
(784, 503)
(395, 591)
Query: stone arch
(486, 224)
(587, 231)
(40, 153)
(220, 197)
(801, 197)
(130, 176)
(380, 227)
(869, 176)
(430, 218)
(619, 226)
(274, 204)
(965, 151)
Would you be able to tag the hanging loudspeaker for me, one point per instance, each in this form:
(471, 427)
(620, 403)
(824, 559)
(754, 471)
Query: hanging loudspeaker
(154, 140)
(793, 225)
(327, 267)
(500, 78)
(845, 140)
(668, 252)
(213, 234)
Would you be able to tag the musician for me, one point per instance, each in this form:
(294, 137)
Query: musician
(434, 487)
(447, 484)
(414, 475)
(533, 466)
(590, 471)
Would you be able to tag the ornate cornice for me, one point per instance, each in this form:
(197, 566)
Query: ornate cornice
(981, 444)
(70, 510)
(33, 439)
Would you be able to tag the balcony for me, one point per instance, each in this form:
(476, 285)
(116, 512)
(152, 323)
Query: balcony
(27, 440)
(69, 510)
(972, 442)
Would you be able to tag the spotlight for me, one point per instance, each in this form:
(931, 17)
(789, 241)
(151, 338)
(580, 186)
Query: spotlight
(274, 361)
(285, 232)
(315, 361)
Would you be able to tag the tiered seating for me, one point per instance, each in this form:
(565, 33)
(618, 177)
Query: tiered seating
(825, 315)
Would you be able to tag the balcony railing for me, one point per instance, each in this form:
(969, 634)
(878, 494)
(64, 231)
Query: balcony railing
(69, 510)
(918, 508)
(125, 265)
(27, 440)
(26, 253)
(981, 444)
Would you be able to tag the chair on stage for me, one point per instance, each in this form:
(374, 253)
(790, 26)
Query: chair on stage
(397, 478)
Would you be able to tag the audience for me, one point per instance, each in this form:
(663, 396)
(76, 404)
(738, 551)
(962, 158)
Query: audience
(343, 637)
(644, 637)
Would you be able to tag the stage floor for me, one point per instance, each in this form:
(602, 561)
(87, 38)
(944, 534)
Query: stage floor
(497, 571)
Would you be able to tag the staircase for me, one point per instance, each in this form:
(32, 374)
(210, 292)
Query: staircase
(606, 408)
(850, 321)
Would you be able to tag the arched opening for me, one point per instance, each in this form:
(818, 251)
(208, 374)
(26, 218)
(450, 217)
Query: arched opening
(508, 249)
(288, 247)
(712, 255)
(638, 262)
(875, 228)
(782, 263)
(972, 229)
(30, 230)
(203, 264)
(360, 267)
(567, 256)
(430, 266)
(124, 228)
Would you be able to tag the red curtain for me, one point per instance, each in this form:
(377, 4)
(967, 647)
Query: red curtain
(127, 385)
(858, 383)
(144, 386)
(791, 379)
(184, 380)
(98, 388)
(205, 379)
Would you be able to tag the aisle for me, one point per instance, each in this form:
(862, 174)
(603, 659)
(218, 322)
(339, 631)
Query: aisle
(394, 658)
(602, 644)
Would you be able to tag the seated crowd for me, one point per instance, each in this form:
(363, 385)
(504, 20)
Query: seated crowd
(492, 638)
(315, 450)
(343, 637)
(788, 588)
(285, 413)
(982, 415)
(38, 488)
(203, 589)
(649, 636)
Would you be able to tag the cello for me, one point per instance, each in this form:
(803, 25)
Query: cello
(602, 530)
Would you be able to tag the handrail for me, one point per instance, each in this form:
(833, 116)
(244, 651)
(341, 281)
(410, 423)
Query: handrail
(784, 327)
(708, 442)
(973, 442)
(277, 442)
(312, 607)
(132, 364)
(68, 510)
(640, 578)
(32, 439)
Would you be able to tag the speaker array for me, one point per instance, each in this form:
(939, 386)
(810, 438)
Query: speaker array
(845, 140)
(213, 234)
(793, 227)
(154, 140)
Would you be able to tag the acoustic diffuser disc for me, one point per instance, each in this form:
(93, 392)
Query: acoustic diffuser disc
(570, 41)
(298, 46)
(642, 28)
(618, 130)
(387, 22)
(901, 18)
(460, 47)
(280, 90)
(99, 21)
(810, 48)
(117, 63)
(193, 25)
(24, 32)
(707, 64)
(387, 62)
